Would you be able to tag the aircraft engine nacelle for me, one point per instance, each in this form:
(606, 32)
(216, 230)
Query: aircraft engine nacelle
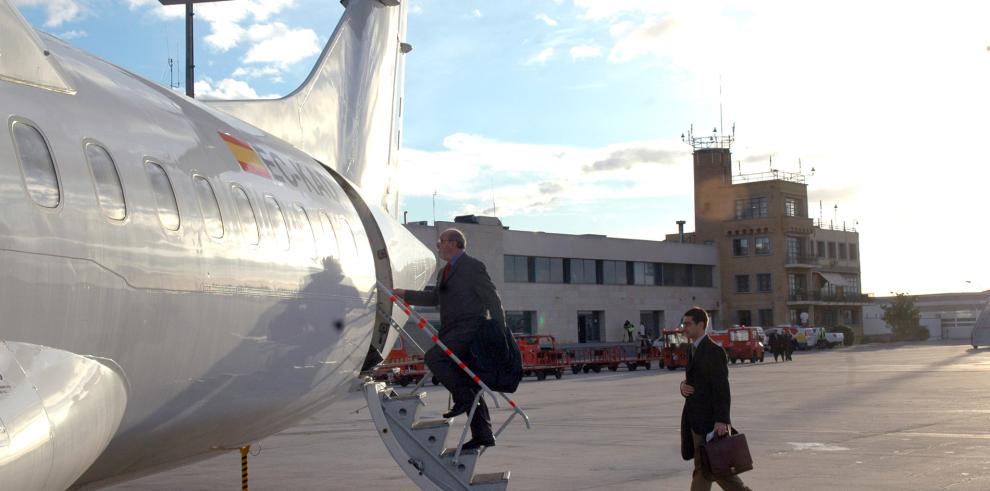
(58, 411)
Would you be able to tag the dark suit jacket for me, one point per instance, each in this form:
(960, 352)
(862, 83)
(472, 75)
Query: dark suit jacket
(708, 373)
(467, 296)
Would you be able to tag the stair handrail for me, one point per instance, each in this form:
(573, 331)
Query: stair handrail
(425, 325)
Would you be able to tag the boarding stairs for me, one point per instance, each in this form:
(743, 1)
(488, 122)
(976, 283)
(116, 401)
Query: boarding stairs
(419, 445)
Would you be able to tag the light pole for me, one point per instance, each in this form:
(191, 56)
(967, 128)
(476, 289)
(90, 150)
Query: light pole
(190, 66)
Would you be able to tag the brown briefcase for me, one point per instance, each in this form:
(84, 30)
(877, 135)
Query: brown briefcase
(726, 456)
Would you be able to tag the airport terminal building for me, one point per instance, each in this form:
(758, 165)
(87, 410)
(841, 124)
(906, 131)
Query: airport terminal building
(582, 288)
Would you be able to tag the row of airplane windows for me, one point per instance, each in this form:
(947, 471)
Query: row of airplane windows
(41, 181)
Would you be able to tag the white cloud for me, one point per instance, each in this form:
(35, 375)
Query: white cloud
(540, 58)
(281, 46)
(547, 20)
(535, 179)
(227, 88)
(58, 11)
(585, 51)
(257, 72)
(73, 34)
(476, 13)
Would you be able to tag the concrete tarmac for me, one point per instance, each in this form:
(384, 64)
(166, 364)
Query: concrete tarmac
(873, 417)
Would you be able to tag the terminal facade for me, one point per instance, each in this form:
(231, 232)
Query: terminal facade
(777, 265)
(582, 288)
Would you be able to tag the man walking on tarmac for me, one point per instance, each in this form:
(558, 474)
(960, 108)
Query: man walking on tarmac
(467, 297)
(706, 400)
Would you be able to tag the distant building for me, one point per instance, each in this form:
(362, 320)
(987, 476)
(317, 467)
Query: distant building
(945, 315)
(582, 288)
(777, 265)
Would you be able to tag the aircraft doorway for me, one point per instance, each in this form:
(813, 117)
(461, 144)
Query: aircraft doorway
(589, 326)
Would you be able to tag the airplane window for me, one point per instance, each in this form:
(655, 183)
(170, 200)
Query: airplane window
(330, 234)
(349, 245)
(208, 203)
(248, 219)
(108, 190)
(36, 160)
(168, 210)
(306, 227)
(278, 222)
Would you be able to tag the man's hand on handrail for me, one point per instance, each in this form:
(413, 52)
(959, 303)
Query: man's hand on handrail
(399, 292)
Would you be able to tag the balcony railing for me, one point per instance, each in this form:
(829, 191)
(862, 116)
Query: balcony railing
(802, 259)
(814, 296)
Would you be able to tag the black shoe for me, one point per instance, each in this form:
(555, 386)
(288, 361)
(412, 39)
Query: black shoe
(475, 443)
(457, 410)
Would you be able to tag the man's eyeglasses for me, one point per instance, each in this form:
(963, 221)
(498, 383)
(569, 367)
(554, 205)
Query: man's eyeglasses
(441, 241)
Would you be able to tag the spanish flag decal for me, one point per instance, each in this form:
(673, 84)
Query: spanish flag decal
(245, 155)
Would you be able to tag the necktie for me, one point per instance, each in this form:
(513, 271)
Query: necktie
(446, 272)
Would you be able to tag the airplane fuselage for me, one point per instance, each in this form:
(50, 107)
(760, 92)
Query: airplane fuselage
(229, 319)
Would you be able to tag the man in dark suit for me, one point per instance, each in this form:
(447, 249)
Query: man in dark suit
(467, 297)
(706, 399)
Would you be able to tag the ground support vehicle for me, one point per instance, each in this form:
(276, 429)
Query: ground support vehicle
(675, 349)
(744, 344)
(594, 357)
(540, 356)
(404, 364)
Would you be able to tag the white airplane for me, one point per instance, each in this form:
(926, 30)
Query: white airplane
(180, 278)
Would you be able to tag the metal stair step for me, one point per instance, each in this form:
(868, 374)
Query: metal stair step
(424, 424)
(491, 479)
(405, 397)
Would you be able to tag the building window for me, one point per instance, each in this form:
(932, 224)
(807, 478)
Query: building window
(168, 210)
(107, 181)
(614, 273)
(797, 285)
(763, 283)
(583, 271)
(644, 273)
(40, 177)
(742, 283)
(743, 318)
(792, 207)
(677, 274)
(751, 208)
(793, 249)
(853, 252)
(520, 321)
(740, 247)
(279, 231)
(249, 221)
(831, 250)
(703, 275)
(766, 317)
(548, 269)
(517, 269)
(842, 251)
(762, 245)
(208, 205)
(820, 248)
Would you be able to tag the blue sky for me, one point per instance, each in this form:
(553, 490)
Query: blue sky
(570, 112)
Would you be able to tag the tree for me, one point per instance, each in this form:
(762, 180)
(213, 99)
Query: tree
(904, 319)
